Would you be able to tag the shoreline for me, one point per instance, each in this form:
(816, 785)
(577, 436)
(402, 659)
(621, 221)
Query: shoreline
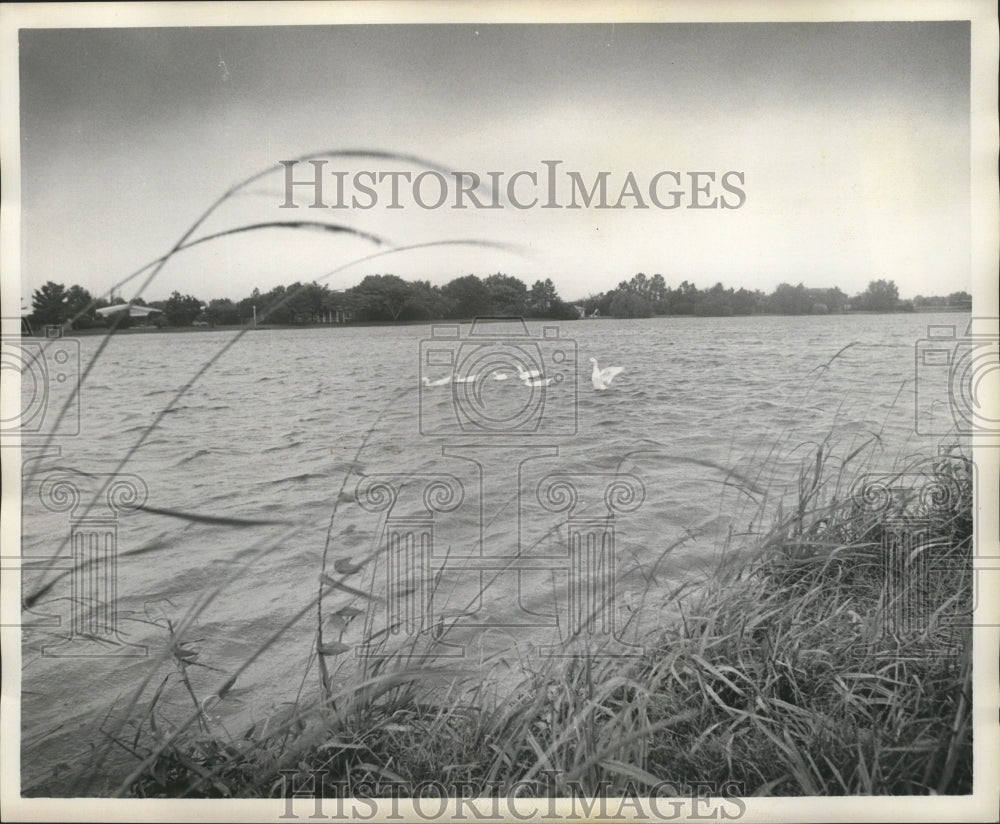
(267, 327)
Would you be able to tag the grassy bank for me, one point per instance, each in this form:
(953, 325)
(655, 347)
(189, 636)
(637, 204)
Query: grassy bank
(831, 658)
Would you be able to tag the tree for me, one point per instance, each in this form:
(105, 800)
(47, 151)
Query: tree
(746, 302)
(181, 310)
(561, 310)
(716, 302)
(467, 296)
(591, 302)
(657, 293)
(426, 302)
(640, 284)
(273, 306)
(790, 300)
(384, 296)
(49, 303)
(881, 296)
(508, 295)
(305, 302)
(630, 304)
(684, 299)
(834, 299)
(543, 295)
(80, 307)
(223, 312)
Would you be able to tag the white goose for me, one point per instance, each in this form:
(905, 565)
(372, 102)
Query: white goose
(537, 381)
(601, 378)
(439, 382)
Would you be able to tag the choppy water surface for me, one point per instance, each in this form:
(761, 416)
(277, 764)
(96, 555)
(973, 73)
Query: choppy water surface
(709, 422)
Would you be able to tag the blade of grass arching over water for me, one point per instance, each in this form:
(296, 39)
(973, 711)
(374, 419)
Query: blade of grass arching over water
(183, 243)
(237, 523)
(430, 244)
(226, 685)
(30, 600)
(255, 552)
(215, 520)
(295, 225)
(324, 674)
(315, 225)
(374, 154)
(233, 190)
(298, 225)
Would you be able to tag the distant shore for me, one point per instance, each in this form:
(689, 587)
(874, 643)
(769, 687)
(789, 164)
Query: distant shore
(263, 327)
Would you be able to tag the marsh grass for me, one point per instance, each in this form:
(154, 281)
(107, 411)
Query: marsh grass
(134, 714)
(801, 667)
(786, 674)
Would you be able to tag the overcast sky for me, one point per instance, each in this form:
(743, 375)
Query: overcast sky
(852, 140)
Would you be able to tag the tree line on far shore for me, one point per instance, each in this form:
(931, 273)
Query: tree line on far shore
(389, 298)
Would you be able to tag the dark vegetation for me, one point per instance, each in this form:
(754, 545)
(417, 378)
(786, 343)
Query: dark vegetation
(388, 298)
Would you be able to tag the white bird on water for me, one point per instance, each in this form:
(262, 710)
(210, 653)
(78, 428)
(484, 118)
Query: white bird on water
(466, 379)
(536, 381)
(601, 378)
(528, 374)
(439, 382)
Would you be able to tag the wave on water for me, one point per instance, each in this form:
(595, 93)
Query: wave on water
(198, 453)
(301, 478)
(281, 447)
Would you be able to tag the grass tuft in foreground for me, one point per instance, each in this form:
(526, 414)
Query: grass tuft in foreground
(833, 658)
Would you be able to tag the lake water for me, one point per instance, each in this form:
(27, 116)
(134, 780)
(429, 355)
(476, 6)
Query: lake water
(479, 489)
